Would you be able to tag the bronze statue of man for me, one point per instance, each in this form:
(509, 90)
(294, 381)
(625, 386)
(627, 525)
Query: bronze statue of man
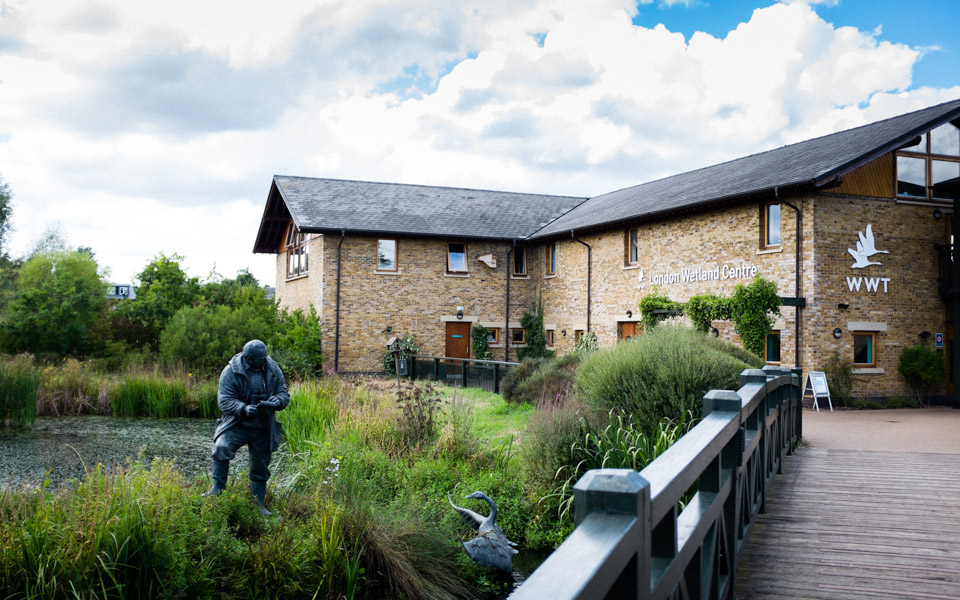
(251, 390)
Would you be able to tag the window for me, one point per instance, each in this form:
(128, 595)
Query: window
(493, 335)
(550, 337)
(552, 259)
(456, 258)
(577, 334)
(934, 158)
(863, 349)
(520, 261)
(518, 336)
(386, 255)
(770, 229)
(298, 262)
(772, 353)
(632, 253)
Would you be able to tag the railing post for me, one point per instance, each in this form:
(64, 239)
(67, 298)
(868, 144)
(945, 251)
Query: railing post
(496, 378)
(463, 373)
(436, 369)
(731, 457)
(798, 394)
(759, 421)
(620, 491)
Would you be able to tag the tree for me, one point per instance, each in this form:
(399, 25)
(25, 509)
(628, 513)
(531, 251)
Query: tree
(164, 289)
(6, 196)
(59, 306)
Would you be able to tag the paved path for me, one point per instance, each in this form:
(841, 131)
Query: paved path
(871, 509)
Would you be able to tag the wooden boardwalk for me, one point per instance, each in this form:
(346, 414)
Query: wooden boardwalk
(849, 524)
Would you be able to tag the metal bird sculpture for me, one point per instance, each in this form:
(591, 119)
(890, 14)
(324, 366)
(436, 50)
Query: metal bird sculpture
(491, 547)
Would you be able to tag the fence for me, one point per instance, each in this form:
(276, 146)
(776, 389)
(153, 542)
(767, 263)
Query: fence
(634, 540)
(461, 372)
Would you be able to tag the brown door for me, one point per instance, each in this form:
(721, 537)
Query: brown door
(627, 330)
(458, 340)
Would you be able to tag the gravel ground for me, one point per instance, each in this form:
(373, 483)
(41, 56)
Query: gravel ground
(933, 429)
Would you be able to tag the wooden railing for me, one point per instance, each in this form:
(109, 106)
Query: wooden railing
(633, 539)
(462, 372)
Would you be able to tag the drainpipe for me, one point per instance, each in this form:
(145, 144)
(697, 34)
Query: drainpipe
(336, 339)
(589, 262)
(797, 330)
(506, 320)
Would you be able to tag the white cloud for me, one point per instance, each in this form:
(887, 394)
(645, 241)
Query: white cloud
(147, 127)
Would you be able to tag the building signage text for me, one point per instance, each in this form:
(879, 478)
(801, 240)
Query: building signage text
(700, 274)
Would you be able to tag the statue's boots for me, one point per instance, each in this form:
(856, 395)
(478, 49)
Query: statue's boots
(258, 489)
(219, 472)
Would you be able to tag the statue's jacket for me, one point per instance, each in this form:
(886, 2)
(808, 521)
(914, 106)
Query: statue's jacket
(233, 394)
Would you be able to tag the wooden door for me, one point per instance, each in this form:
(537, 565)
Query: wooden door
(628, 330)
(458, 340)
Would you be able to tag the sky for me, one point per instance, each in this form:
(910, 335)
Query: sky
(140, 128)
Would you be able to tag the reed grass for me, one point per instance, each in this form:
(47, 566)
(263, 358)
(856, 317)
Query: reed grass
(149, 397)
(19, 383)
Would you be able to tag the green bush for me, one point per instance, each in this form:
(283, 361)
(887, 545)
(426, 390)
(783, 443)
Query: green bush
(536, 337)
(657, 301)
(537, 379)
(203, 339)
(923, 368)
(662, 374)
(839, 372)
(296, 345)
(588, 342)
(481, 346)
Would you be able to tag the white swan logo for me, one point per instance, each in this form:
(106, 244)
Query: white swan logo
(866, 248)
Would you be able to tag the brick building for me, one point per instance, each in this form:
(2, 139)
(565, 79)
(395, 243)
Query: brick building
(851, 226)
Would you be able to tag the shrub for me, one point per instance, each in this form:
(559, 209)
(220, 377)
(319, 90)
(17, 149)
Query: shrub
(839, 372)
(203, 339)
(588, 342)
(481, 347)
(662, 374)
(419, 407)
(296, 346)
(536, 337)
(536, 379)
(923, 368)
(657, 301)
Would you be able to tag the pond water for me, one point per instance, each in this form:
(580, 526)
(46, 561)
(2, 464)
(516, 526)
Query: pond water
(66, 444)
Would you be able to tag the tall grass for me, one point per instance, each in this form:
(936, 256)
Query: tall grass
(313, 406)
(149, 397)
(19, 383)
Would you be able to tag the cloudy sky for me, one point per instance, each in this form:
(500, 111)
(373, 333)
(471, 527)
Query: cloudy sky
(145, 127)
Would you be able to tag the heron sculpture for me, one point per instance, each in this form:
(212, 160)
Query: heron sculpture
(491, 547)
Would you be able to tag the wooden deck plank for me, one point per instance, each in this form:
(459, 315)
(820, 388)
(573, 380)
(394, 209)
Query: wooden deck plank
(845, 524)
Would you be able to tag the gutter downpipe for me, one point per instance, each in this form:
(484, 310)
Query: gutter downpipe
(506, 319)
(589, 264)
(797, 329)
(336, 342)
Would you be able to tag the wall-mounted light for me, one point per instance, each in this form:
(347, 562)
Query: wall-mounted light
(937, 213)
(459, 314)
(924, 335)
(629, 314)
(563, 332)
(715, 331)
(388, 329)
(837, 333)
(843, 306)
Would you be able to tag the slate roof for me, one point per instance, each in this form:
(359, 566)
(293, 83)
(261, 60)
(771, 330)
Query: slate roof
(329, 205)
(805, 164)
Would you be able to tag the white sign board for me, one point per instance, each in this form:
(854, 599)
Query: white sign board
(817, 386)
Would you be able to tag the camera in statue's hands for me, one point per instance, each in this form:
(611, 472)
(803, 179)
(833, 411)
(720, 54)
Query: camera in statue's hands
(272, 403)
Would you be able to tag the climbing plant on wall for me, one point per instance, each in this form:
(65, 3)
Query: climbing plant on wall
(751, 308)
(481, 347)
(536, 337)
(656, 307)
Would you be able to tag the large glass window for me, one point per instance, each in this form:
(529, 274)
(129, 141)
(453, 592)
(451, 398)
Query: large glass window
(771, 225)
(386, 255)
(457, 258)
(298, 262)
(863, 349)
(935, 157)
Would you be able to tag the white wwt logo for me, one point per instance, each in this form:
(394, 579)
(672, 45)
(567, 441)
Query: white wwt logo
(866, 247)
(870, 284)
